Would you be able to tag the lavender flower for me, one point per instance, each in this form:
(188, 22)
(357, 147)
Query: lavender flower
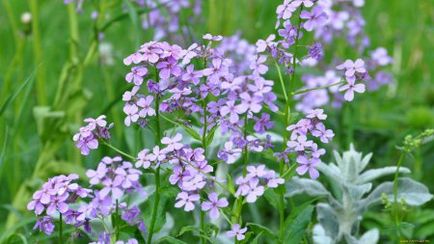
(214, 204)
(187, 201)
(237, 232)
(314, 18)
(352, 87)
(87, 137)
(45, 224)
(351, 67)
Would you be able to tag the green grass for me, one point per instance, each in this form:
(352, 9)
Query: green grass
(50, 79)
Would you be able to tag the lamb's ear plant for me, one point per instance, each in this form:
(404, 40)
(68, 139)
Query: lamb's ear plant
(339, 216)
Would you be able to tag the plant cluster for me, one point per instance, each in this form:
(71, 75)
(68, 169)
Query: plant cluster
(221, 106)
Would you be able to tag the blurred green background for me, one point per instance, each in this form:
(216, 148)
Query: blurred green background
(50, 80)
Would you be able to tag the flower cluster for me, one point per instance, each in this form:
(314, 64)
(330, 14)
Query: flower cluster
(215, 86)
(56, 196)
(328, 20)
(163, 19)
(253, 184)
(237, 94)
(87, 137)
(308, 152)
(60, 195)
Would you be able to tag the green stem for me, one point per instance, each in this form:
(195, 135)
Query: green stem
(204, 145)
(117, 221)
(156, 202)
(245, 152)
(119, 151)
(296, 47)
(37, 52)
(157, 171)
(282, 83)
(202, 226)
(60, 228)
(317, 88)
(395, 195)
(281, 190)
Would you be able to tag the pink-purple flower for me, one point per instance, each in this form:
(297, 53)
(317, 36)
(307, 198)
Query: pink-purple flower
(214, 204)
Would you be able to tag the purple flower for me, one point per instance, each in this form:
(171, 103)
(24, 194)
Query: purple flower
(172, 144)
(285, 10)
(187, 201)
(314, 19)
(168, 68)
(190, 75)
(231, 109)
(87, 137)
(352, 87)
(289, 33)
(308, 165)
(131, 215)
(262, 45)
(300, 143)
(255, 190)
(258, 66)
(115, 176)
(45, 224)
(210, 37)
(85, 140)
(214, 204)
(306, 3)
(230, 153)
(131, 110)
(56, 194)
(351, 67)
(262, 124)
(249, 103)
(316, 51)
(136, 75)
(272, 179)
(316, 113)
(380, 57)
(157, 155)
(325, 135)
(146, 104)
(258, 171)
(237, 232)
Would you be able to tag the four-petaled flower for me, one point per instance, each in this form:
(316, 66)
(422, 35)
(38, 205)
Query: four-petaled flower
(214, 204)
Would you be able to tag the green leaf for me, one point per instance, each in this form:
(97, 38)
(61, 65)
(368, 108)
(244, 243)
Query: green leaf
(170, 239)
(189, 130)
(195, 230)
(14, 95)
(210, 135)
(257, 228)
(296, 224)
(273, 198)
(256, 240)
(167, 193)
(20, 236)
